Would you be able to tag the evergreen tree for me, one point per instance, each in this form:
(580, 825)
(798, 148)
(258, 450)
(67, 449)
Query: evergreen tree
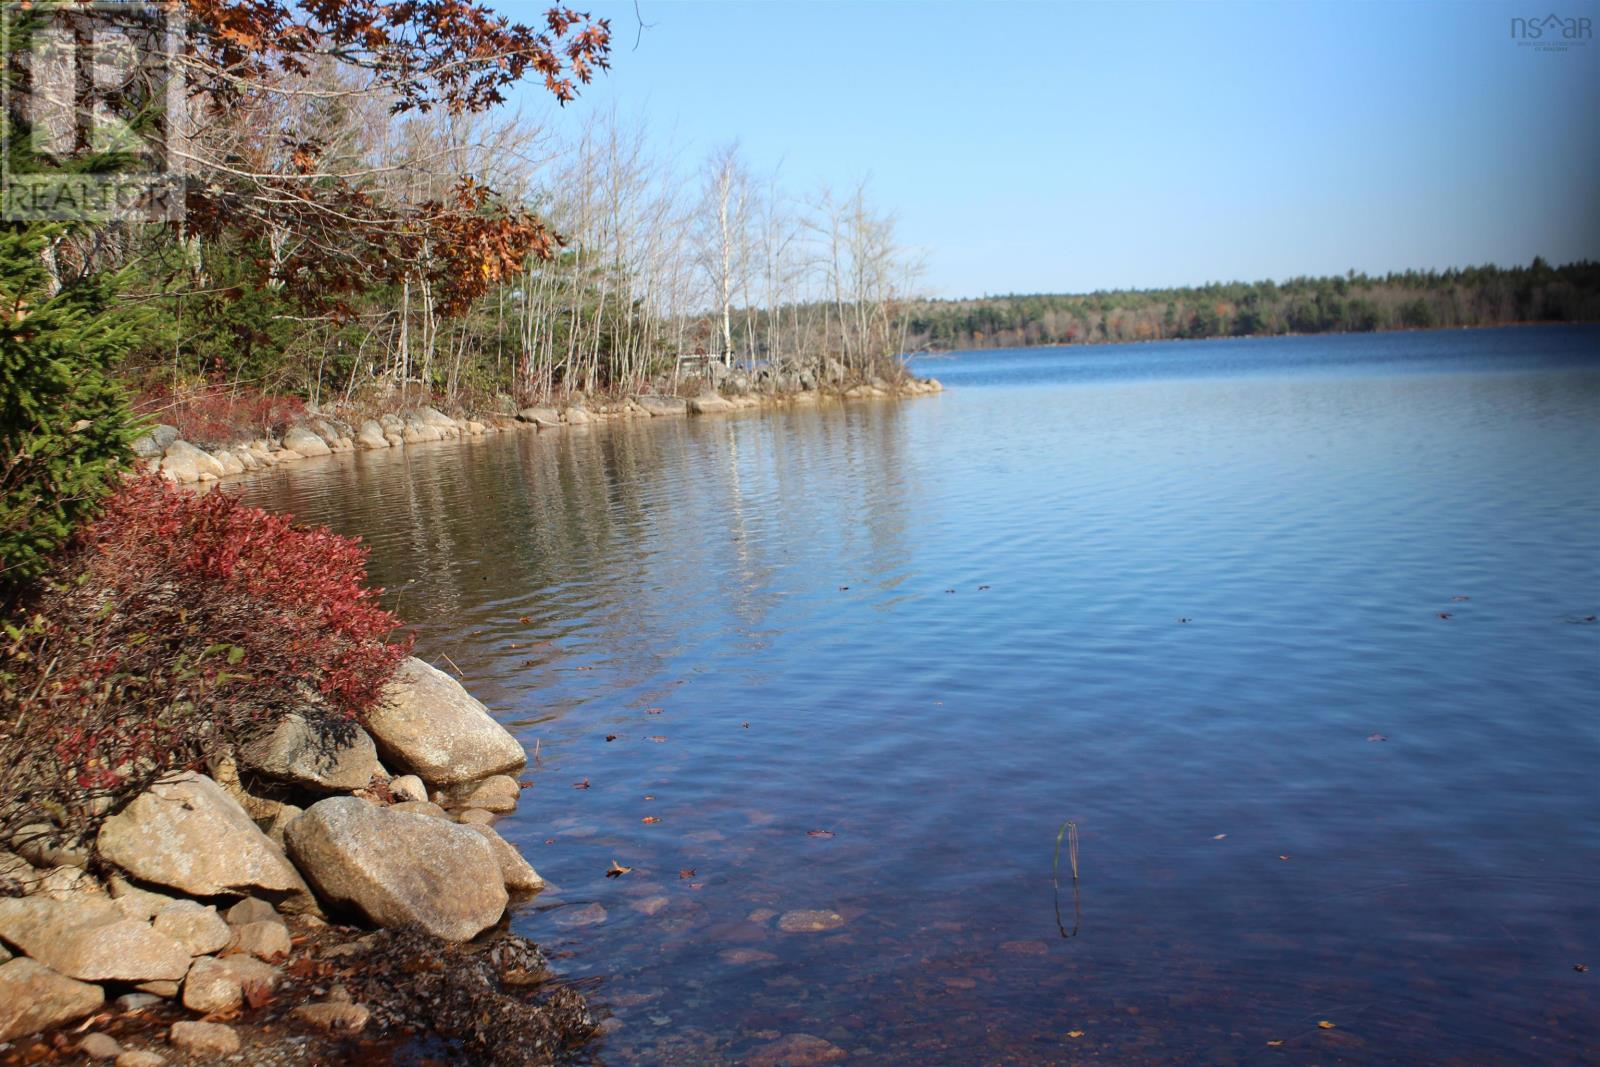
(65, 428)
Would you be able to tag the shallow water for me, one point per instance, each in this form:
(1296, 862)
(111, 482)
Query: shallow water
(1169, 592)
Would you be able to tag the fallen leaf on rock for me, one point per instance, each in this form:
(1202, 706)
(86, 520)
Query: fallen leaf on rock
(649, 818)
(819, 833)
(617, 870)
(581, 785)
(686, 872)
(1325, 1025)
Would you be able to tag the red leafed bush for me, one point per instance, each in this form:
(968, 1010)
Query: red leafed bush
(177, 626)
(211, 415)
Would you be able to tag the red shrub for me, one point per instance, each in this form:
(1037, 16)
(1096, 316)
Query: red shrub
(212, 415)
(179, 625)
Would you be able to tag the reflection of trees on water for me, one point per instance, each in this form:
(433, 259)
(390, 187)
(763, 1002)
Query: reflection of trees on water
(625, 546)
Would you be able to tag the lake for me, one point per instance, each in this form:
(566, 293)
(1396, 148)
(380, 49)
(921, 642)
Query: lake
(1298, 633)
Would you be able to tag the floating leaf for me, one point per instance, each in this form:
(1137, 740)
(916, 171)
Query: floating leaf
(686, 872)
(1274, 1044)
(1325, 1025)
(617, 870)
(524, 619)
(657, 738)
(611, 737)
(1444, 614)
(1074, 1033)
(1218, 837)
(819, 833)
(652, 711)
(581, 785)
(1581, 968)
(1376, 737)
(650, 818)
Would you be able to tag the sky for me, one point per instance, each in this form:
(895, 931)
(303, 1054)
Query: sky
(1054, 147)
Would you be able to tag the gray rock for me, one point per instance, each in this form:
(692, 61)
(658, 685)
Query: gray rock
(253, 910)
(544, 418)
(658, 406)
(429, 726)
(422, 807)
(408, 787)
(397, 868)
(100, 1047)
(138, 1057)
(391, 423)
(517, 873)
(439, 420)
(195, 926)
(204, 1039)
(153, 442)
(475, 817)
(188, 833)
(577, 416)
(371, 436)
(709, 404)
(90, 939)
(264, 940)
(217, 985)
(183, 462)
(314, 755)
(304, 441)
(34, 998)
(132, 1003)
(497, 793)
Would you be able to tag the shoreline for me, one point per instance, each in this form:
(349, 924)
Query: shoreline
(161, 450)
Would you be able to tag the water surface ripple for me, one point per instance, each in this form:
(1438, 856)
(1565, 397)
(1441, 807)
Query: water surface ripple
(938, 628)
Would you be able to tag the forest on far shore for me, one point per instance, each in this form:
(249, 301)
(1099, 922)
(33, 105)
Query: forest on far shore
(1350, 303)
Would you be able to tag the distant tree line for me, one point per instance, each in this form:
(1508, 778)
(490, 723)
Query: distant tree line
(1351, 303)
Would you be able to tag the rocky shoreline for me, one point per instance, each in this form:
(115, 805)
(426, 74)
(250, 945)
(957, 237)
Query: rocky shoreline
(161, 449)
(251, 908)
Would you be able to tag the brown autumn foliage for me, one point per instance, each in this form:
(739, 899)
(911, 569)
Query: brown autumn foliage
(333, 231)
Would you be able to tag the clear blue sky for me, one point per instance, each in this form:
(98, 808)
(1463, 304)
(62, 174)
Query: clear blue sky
(1068, 147)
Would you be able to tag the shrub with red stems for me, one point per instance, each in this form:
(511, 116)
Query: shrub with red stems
(175, 627)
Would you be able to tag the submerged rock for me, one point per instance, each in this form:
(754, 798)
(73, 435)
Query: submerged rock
(399, 869)
(188, 833)
(33, 997)
(429, 726)
(809, 922)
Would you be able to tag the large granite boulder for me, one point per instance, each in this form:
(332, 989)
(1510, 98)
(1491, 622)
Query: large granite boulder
(34, 998)
(183, 462)
(89, 938)
(371, 437)
(517, 873)
(544, 418)
(214, 986)
(429, 726)
(154, 441)
(709, 404)
(662, 405)
(315, 755)
(396, 868)
(301, 440)
(188, 833)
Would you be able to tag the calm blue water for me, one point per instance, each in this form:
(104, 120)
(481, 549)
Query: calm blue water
(1021, 554)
